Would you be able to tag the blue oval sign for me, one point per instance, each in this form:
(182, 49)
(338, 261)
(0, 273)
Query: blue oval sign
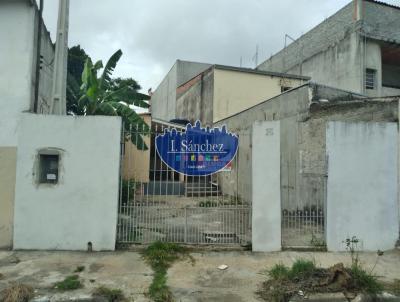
(197, 151)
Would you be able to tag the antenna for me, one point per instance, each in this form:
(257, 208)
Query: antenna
(287, 36)
(255, 57)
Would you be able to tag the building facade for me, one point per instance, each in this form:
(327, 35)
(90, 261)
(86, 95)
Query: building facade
(356, 49)
(222, 91)
(163, 100)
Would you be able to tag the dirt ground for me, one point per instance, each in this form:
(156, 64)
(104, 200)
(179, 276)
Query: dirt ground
(202, 282)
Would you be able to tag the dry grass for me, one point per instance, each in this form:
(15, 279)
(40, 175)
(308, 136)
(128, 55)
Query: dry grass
(17, 293)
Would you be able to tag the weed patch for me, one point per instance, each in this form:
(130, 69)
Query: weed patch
(111, 295)
(69, 283)
(364, 281)
(305, 277)
(160, 256)
(17, 293)
(302, 269)
(279, 272)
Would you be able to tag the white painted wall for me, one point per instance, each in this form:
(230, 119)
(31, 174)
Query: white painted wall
(83, 206)
(266, 208)
(16, 63)
(362, 185)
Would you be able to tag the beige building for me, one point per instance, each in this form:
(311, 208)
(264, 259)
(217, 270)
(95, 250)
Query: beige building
(221, 91)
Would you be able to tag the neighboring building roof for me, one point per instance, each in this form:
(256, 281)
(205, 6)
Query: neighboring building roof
(166, 123)
(383, 3)
(321, 94)
(256, 71)
(193, 80)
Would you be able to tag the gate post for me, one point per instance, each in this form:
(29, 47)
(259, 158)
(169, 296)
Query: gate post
(266, 186)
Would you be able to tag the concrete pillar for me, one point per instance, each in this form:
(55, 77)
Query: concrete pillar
(59, 91)
(266, 186)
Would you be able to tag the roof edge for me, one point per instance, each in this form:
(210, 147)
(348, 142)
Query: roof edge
(262, 72)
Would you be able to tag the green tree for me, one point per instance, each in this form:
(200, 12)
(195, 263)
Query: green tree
(76, 62)
(101, 95)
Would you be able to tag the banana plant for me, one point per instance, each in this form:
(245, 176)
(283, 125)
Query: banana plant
(100, 97)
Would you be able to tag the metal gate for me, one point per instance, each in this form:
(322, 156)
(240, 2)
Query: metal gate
(159, 204)
(303, 207)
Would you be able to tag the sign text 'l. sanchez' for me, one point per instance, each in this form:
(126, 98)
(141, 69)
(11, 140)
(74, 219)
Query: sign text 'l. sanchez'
(197, 151)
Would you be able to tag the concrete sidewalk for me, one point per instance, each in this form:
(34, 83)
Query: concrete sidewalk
(201, 282)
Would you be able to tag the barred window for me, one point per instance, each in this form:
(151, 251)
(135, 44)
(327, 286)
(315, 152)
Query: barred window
(370, 78)
(48, 168)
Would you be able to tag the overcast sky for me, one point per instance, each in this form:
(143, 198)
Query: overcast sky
(154, 33)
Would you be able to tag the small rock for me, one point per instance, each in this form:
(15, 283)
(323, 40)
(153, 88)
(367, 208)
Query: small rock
(327, 297)
(350, 295)
(222, 267)
(41, 299)
(15, 260)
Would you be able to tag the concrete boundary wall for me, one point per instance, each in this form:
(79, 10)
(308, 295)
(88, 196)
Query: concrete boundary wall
(83, 206)
(362, 185)
(266, 187)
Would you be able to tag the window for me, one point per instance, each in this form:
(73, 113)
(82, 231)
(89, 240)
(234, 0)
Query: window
(285, 88)
(48, 168)
(370, 78)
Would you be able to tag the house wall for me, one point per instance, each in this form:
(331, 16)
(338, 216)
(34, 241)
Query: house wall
(46, 72)
(87, 189)
(136, 163)
(236, 91)
(16, 65)
(312, 167)
(17, 84)
(317, 40)
(196, 101)
(338, 50)
(302, 128)
(381, 22)
(288, 107)
(362, 185)
(163, 100)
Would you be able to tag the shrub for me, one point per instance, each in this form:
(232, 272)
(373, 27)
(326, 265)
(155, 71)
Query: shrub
(302, 269)
(279, 272)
